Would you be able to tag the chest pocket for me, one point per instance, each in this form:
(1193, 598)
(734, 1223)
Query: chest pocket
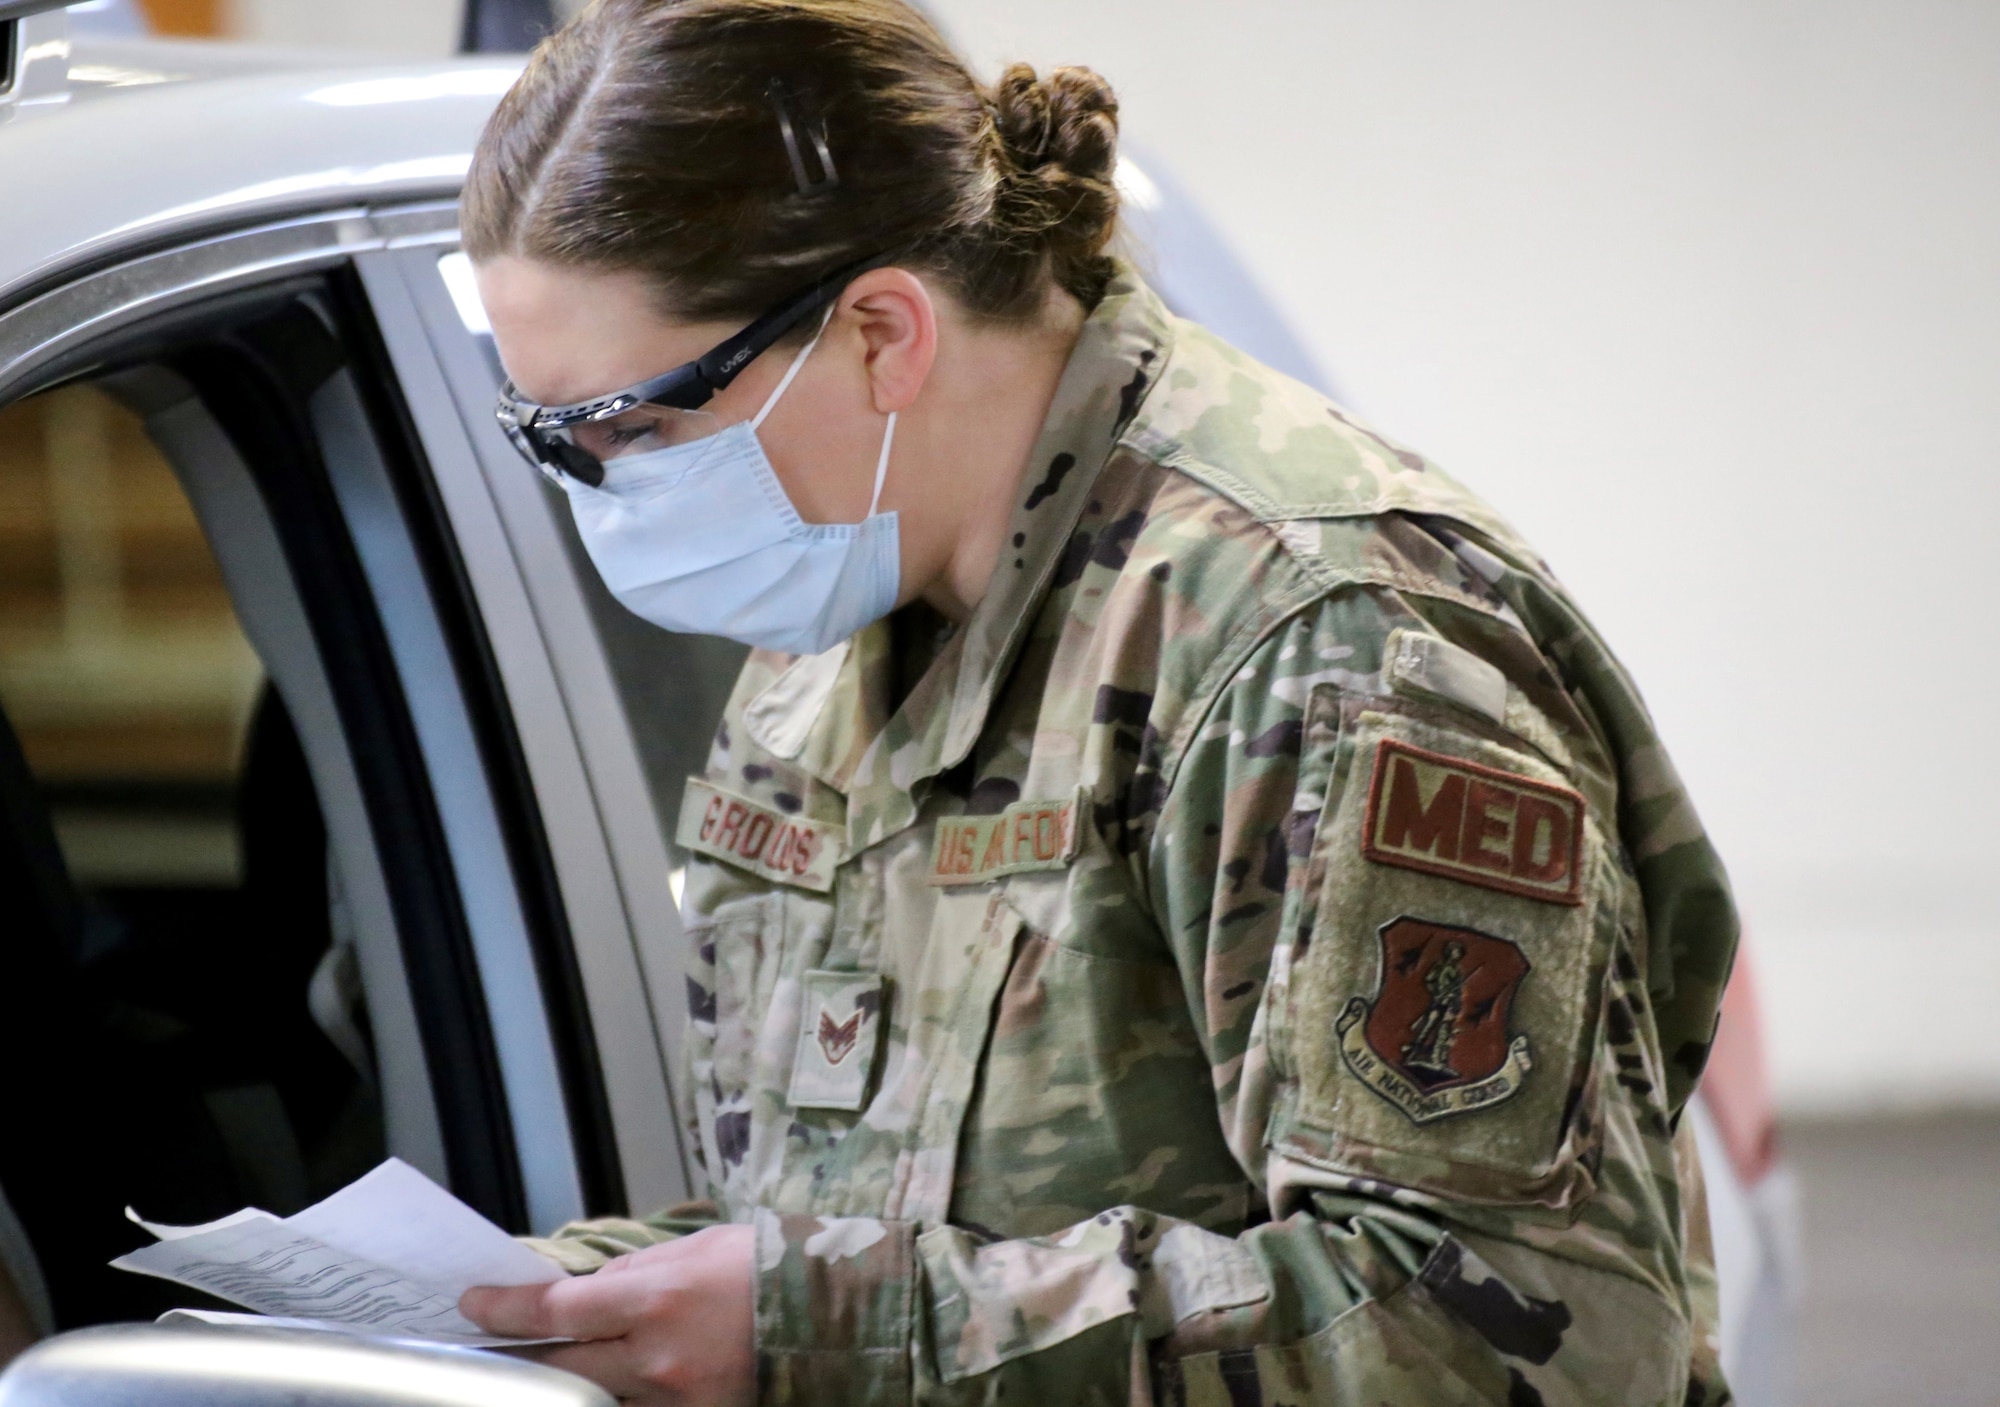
(837, 1038)
(745, 997)
(1443, 1006)
(898, 1160)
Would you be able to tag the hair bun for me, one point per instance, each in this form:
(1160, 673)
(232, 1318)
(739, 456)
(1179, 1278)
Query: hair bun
(1059, 149)
(1067, 122)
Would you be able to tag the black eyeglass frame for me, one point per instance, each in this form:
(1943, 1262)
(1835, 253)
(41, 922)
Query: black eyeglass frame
(689, 386)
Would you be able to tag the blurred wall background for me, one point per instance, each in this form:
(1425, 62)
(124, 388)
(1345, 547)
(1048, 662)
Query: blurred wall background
(1704, 295)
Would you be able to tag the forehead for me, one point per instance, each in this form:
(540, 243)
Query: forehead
(570, 334)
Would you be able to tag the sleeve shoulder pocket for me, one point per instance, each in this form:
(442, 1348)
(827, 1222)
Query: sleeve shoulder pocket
(1445, 990)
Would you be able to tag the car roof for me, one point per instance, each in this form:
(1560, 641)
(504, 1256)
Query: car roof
(148, 141)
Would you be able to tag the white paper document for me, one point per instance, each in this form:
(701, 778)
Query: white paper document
(388, 1254)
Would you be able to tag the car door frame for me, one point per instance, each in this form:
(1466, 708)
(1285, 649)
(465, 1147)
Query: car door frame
(577, 750)
(608, 843)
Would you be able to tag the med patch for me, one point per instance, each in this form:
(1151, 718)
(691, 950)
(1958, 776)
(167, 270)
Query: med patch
(1500, 830)
(1435, 1040)
(1443, 1023)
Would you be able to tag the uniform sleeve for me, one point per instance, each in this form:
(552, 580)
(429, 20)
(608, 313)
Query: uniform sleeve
(1405, 1051)
(583, 1246)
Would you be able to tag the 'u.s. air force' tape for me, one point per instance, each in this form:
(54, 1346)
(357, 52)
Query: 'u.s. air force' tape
(1029, 835)
(740, 832)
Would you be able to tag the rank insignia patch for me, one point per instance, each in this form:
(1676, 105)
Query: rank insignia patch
(1500, 830)
(1435, 1040)
(837, 1038)
(840, 1024)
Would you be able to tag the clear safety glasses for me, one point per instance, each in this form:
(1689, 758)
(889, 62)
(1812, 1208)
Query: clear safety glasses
(580, 438)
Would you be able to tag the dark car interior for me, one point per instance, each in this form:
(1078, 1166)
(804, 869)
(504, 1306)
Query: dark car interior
(179, 1033)
(182, 1017)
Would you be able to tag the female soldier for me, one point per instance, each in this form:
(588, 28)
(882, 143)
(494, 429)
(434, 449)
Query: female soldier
(1132, 737)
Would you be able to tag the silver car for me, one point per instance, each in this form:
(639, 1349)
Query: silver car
(336, 795)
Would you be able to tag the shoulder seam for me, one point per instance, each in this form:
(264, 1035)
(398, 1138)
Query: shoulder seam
(1244, 642)
(1328, 578)
(1175, 455)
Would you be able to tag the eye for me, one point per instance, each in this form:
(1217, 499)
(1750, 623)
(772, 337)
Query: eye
(624, 436)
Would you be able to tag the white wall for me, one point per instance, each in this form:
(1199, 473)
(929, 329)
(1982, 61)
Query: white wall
(403, 28)
(407, 28)
(1705, 295)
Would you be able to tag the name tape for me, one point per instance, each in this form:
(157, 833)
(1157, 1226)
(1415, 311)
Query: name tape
(740, 832)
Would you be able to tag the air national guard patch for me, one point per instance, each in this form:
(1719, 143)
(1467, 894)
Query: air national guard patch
(1500, 830)
(1434, 1041)
(1029, 835)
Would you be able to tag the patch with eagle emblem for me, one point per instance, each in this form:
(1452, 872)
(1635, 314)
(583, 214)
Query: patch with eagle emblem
(839, 1018)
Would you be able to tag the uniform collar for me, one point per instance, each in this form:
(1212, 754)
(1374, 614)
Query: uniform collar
(881, 760)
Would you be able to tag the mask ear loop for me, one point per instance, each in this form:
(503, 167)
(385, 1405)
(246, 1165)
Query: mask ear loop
(888, 433)
(793, 370)
(882, 464)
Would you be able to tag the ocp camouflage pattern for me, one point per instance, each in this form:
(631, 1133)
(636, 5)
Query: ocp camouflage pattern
(1166, 1114)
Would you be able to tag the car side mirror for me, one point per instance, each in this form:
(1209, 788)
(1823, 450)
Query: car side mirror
(151, 1365)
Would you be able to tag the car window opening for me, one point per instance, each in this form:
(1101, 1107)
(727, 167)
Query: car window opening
(216, 1019)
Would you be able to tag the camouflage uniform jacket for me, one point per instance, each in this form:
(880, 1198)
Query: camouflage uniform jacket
(1262, 959)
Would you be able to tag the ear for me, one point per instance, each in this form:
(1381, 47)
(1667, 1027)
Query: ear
(893, 312)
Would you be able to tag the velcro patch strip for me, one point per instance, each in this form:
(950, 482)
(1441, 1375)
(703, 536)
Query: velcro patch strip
(1029, 835)
(740, 832)
(1445, 816)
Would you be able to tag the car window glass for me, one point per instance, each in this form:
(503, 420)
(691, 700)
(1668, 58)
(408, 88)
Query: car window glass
(674, 687)
(121, 663)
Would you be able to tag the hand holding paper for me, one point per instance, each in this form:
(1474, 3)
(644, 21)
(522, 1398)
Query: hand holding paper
(673, 1323)
(389, 1254)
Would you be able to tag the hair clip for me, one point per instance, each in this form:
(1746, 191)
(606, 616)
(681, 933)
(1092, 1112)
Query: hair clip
(816, 134)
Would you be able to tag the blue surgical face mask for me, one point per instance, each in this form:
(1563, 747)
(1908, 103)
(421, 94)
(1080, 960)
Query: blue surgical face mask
(701, 538)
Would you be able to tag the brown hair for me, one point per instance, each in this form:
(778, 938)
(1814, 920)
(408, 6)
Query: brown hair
(645, 135)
